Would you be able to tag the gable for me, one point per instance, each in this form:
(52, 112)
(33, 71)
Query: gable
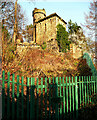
(50, 16)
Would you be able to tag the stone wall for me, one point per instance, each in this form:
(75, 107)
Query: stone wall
(23, 47)
(53, 46)
(46, 30)
(59, 21)
(76, 51)
(40, 32)
(51, 28)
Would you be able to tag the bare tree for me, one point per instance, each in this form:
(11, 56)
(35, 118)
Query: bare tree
(15, 24)
(90, 18)
(91, 24)
(13, 17)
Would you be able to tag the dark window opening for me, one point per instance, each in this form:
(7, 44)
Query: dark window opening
(45, 27)
(35, 33)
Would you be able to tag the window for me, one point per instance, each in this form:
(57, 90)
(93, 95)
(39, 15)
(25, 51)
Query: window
(45, 27)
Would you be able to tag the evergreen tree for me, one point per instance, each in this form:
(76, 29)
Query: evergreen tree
(62, 38)
(73, 27)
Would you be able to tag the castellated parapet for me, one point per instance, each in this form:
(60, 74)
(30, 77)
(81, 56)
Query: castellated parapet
(38, 14)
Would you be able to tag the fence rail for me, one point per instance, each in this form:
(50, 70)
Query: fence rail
(50, 98)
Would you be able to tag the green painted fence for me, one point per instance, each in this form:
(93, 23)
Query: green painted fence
(49, 98)
(90, 63)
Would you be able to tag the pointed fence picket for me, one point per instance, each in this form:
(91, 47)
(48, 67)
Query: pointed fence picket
(50, 98)
(8, 96)
(13, 107)
(3, 94)
(22, 98)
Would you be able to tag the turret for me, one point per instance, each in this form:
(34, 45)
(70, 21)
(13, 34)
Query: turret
(38, 14)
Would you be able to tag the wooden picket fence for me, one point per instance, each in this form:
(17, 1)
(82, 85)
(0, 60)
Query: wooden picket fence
(58, 98)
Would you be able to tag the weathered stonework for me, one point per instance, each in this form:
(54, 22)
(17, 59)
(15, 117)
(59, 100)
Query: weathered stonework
(45, 31)
(23, 47)
(45, 27)
(75, 51)
(52, 45)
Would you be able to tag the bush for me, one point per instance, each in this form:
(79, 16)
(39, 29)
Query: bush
(9, 52)
(44, 46)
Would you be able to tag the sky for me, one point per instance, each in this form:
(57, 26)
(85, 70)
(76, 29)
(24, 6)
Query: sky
(71, 9)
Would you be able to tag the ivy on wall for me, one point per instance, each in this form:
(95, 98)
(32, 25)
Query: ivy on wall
(62, 38)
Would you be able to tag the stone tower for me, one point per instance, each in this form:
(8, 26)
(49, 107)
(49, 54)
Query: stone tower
(45, 26)
(38, 14)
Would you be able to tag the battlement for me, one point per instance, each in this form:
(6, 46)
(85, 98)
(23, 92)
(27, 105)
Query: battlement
(42, 11)
(38, 14)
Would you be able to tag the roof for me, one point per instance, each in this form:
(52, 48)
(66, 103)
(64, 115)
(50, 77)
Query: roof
(52, 15)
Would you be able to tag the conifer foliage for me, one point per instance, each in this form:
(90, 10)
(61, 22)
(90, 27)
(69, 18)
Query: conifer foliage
(62, 38)
(73, 27)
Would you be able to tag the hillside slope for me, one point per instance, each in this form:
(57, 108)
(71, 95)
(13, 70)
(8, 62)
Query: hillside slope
(43, 63)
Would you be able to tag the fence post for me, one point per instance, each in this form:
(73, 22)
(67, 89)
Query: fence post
(41, 98)
(27, 98)
(8, 96)
(49, 98)
(22, 90)
(17, 96)
(73, 96)
(67, 95)
(37, 108)
(63, 99)
(90, 88)
(82, 91)
(13, 97)
(76, 96)
(32, 100)
(70, 96)
(94, 83)
(85, 89)
(45, 98)
(3, 94)
(70, 93)
(56, 110)
(60, 97)
(53, 95)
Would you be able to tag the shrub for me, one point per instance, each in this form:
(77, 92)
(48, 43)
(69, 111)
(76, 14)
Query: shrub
(44, 46)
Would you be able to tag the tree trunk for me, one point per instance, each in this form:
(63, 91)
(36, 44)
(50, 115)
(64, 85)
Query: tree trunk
(15, 25)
